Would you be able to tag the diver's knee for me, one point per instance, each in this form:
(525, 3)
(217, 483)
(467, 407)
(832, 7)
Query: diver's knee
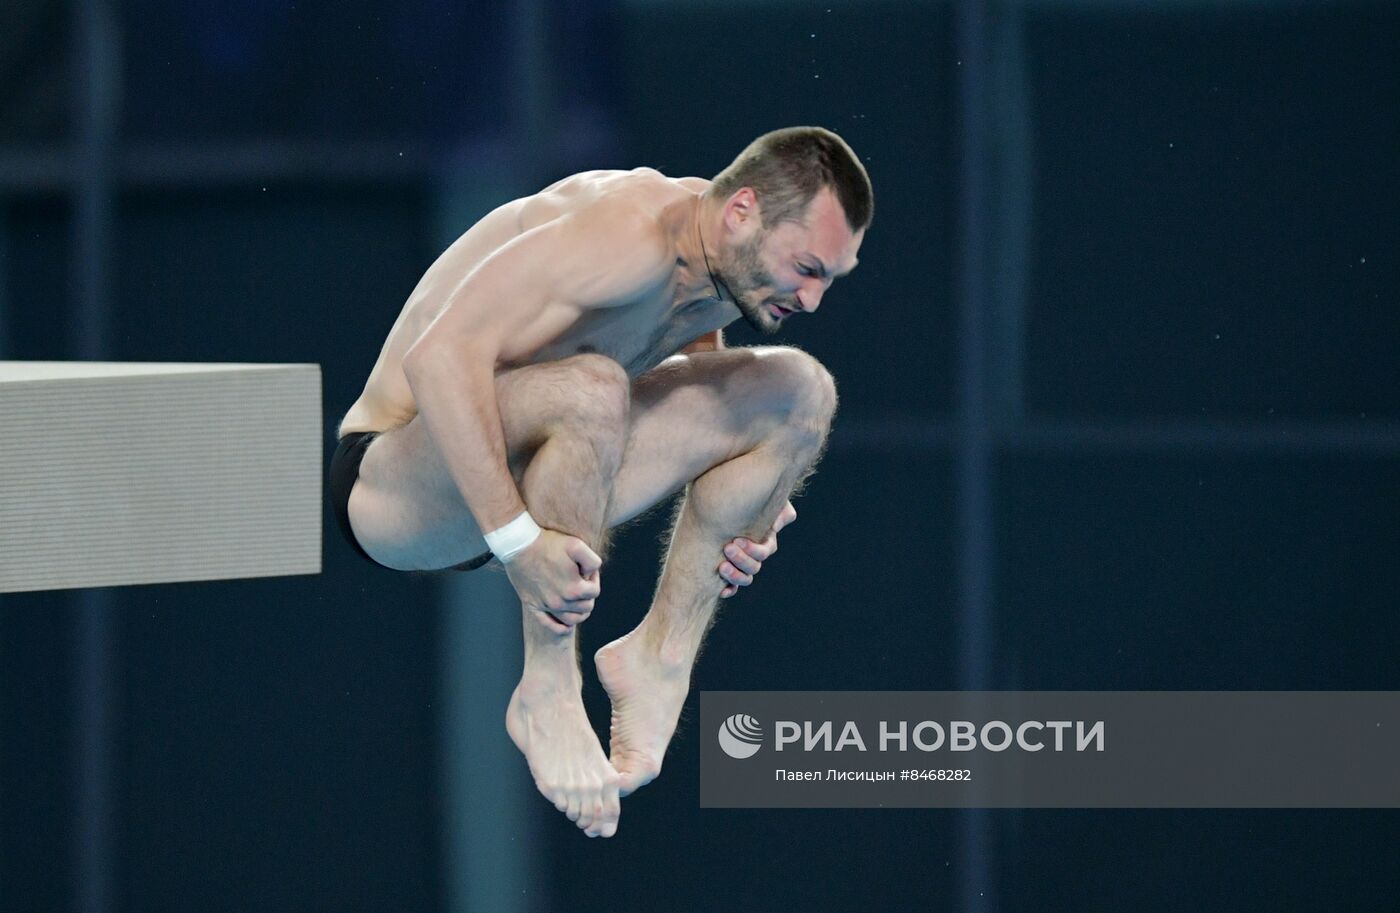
(593, 393)
(804, 388)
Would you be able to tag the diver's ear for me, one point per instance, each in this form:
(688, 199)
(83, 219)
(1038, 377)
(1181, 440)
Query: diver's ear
(743, 207)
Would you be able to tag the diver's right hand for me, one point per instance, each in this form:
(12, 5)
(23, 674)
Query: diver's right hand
(557, 578)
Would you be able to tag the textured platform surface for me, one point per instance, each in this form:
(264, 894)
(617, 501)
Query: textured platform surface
(125, 473)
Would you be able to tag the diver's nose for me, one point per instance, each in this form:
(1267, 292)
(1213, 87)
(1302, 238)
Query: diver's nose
(809, 300)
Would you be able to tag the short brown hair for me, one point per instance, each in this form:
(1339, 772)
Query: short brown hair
(787, 167)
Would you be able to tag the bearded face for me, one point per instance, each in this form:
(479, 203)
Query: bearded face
(787, 267)
(753, 286)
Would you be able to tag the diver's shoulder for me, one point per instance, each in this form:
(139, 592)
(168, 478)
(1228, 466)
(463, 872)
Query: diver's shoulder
(644, 184)
(687, 184)
(653, 192)
(694, 185)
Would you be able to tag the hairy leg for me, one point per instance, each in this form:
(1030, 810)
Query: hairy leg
(689, 417)
(567, 485)
(565, 427)
(781, 410)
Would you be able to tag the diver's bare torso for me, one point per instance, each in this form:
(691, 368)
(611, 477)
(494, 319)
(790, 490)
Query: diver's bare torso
(638, 334)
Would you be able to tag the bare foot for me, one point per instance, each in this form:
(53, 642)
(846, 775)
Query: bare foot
(547, 722)
(647, 694)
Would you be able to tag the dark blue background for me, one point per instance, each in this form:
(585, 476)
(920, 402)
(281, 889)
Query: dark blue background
(1215, 217)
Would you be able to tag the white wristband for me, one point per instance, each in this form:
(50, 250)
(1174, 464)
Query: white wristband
(513, 538)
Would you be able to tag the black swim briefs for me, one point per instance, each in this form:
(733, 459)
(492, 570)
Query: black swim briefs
(345, 469)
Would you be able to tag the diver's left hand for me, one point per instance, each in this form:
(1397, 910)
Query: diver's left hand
(744, 557)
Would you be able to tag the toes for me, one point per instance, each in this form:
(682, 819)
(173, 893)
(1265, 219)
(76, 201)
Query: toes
(589, 811)
(575, 808)
(608, 810)
(594, 808)
(605, 826)
(602, 807)
(592, 812)
(565, 800)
